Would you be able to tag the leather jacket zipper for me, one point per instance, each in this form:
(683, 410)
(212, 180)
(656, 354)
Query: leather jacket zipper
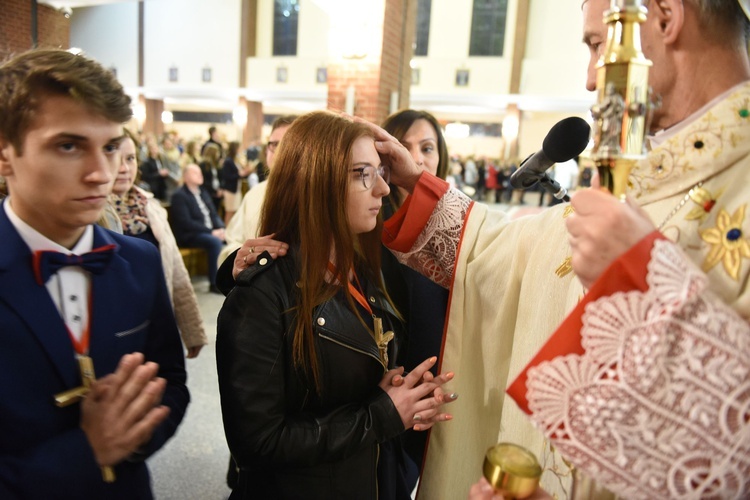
(377, 358)
(377, 460)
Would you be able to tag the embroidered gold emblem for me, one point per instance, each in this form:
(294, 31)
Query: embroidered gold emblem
(565, 268)
(728, 244)
(705, 201)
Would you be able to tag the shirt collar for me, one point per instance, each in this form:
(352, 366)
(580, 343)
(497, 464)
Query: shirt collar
(37, 241)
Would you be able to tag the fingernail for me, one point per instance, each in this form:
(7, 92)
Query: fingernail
(417, 418)
(417, 427)
(433, 359)
(449, 417)
(453, 396)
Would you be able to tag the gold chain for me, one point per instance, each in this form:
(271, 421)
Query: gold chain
(679, 205)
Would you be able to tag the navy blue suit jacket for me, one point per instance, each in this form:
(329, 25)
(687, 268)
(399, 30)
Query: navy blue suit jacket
(43, 451)
(186, 218)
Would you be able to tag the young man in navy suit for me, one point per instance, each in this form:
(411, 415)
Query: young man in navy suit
(92, 376)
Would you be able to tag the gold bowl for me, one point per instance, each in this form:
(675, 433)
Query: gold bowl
(512, 470)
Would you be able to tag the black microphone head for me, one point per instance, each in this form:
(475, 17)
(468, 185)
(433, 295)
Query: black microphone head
(566, 139)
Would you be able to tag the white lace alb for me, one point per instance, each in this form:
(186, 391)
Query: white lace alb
(658, 406)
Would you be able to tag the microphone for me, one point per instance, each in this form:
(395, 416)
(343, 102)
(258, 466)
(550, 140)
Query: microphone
(565, 140)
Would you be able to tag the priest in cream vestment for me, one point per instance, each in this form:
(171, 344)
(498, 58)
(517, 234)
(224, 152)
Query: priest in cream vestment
(511, 285)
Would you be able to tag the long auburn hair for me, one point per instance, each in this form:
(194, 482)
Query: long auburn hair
(305, 205)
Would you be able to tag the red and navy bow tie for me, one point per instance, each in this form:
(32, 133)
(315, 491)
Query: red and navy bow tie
(48, 262)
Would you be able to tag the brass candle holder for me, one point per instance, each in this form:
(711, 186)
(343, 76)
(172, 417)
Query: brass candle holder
(512, 470)
(624, 105)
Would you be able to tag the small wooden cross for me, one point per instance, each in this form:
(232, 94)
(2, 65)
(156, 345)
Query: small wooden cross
(382, 339)
(75, 395)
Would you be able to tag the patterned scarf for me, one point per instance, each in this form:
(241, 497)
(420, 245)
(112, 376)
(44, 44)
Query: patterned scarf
(131, 207)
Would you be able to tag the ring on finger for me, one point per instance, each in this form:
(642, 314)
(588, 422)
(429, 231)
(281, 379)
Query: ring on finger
(244, 259)
(252, 249)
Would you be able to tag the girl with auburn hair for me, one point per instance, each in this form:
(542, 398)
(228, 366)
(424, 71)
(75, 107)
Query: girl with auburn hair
(303, 356)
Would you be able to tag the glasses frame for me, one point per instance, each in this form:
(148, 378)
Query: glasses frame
(381, 171)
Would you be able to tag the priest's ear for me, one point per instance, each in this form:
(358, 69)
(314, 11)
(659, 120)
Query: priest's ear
(669, 15)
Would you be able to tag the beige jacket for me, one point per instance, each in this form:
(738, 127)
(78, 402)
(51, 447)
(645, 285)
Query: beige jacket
(180, 288)
(244, 223)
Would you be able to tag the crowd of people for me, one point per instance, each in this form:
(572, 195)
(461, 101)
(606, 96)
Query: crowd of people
(366, 290)
(200, 186)
(488, 180)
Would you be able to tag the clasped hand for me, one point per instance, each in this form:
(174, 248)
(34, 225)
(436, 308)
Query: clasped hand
(418, 396)
(122, 410)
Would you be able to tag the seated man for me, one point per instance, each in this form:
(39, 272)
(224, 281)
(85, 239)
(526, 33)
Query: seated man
(73, 294)
(195, 222)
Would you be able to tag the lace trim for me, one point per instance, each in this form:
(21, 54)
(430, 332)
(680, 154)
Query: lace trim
(434, 252)
(659, 404)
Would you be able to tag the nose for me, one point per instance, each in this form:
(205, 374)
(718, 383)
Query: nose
(381, 188)
(101, 168)
(123, 168)
(418, 157)
(591, 73)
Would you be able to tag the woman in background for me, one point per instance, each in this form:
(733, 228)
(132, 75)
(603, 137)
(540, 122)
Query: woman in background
(190, 155)
(308, 406)
(422, 303)
(232, 174)
(142, 216)
(211, 169)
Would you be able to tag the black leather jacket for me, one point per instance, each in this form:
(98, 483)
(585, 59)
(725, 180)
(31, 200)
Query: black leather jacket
(288, 440)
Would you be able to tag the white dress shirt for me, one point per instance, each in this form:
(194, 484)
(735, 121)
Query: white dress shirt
(69, 288)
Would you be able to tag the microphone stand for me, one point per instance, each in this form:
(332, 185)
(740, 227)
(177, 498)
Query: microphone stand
(553, 187)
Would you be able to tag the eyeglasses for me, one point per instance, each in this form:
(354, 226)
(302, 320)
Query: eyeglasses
(272, 145)
(369, 174)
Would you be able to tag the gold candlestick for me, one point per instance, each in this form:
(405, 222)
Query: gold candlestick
(624, 105)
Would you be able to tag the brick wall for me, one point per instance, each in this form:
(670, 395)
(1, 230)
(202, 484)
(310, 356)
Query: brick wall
(382, 74)
(53, 29)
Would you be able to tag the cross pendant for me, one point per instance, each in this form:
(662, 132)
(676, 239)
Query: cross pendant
(382, 339)
(75, 395)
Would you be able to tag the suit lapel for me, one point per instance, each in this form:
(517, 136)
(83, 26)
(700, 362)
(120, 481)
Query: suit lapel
(32, 304)
(107, 305)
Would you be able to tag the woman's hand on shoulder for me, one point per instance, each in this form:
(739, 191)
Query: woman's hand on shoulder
(249, 251)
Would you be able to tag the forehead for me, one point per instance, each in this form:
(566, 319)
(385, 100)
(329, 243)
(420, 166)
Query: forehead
(127, 145)
(363, 151)
(421, 129)
(63, 115)
(278, 133)
(593, 15)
